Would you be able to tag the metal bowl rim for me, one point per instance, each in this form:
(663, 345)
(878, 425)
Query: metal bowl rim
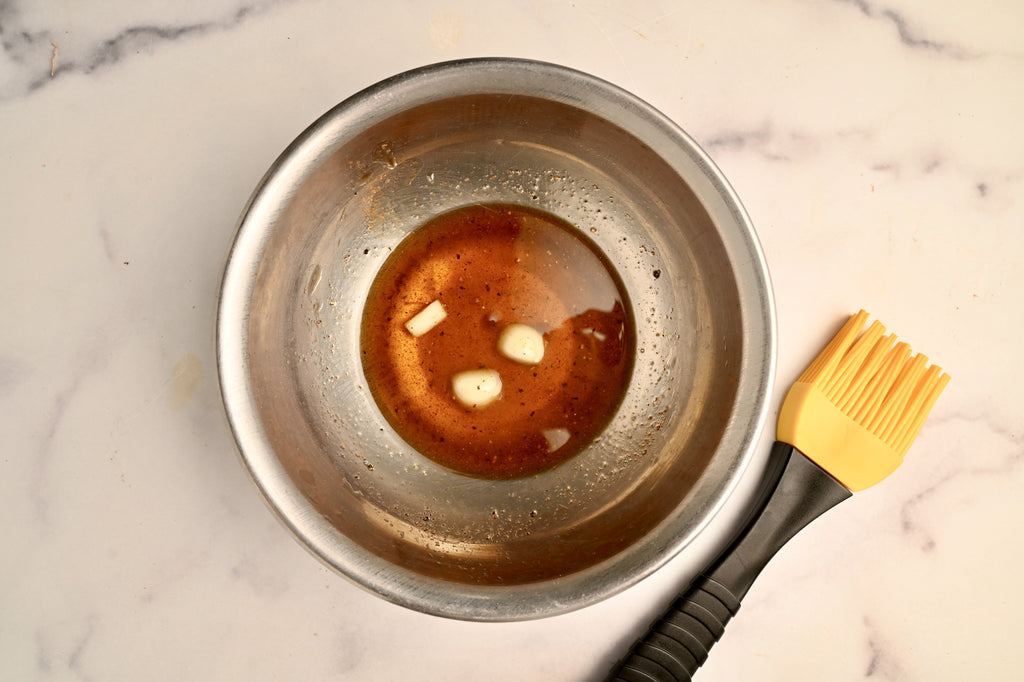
(324, 136)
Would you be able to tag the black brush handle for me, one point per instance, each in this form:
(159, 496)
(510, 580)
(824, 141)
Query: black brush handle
(795, 492)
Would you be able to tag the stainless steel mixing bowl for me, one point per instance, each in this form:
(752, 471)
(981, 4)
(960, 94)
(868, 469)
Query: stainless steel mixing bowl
(326, 216)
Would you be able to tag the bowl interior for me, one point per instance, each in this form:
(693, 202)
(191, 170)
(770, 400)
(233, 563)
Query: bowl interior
(323, 223)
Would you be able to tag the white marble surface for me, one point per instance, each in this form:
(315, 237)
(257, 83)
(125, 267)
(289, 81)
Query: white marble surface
(877, 144)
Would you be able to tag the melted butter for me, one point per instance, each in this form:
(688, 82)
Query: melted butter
(491, 266)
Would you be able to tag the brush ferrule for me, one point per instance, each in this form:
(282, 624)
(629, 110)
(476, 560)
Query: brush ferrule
(848, 451)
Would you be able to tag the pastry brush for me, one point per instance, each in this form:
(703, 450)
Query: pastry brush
(845, 425)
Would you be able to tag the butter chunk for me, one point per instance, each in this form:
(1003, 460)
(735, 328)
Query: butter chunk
(426, 319)
(521, 343)
(477, 387)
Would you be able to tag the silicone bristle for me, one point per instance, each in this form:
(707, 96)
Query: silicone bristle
(873, 389)
(837, 385)
(878, 354)
(899, 396)
(925, 394)
(885, 388)
(854, 397)
(880, 384)
(828, 358)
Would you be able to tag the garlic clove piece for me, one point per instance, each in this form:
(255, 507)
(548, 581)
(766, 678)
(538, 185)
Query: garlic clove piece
(521, 343)
(477, 388)
(426, 319)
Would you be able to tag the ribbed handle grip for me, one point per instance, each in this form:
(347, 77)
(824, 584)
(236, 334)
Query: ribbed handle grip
(678, 644)
(796, 491)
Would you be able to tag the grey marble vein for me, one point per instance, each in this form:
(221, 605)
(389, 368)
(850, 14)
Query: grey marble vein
(41, 462)
(93, 361)
(881, 663)
(735, 139)
(908, 34)
(1006, 462)
(10, 373)
(33, 50)
(765, 141)
(61, 645)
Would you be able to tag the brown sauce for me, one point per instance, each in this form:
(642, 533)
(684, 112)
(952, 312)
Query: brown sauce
(490, 266)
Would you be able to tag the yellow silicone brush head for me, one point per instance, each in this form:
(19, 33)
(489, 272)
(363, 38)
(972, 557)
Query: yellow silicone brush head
(859, 406)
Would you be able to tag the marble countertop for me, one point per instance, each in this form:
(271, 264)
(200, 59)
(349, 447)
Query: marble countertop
(877, 145)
